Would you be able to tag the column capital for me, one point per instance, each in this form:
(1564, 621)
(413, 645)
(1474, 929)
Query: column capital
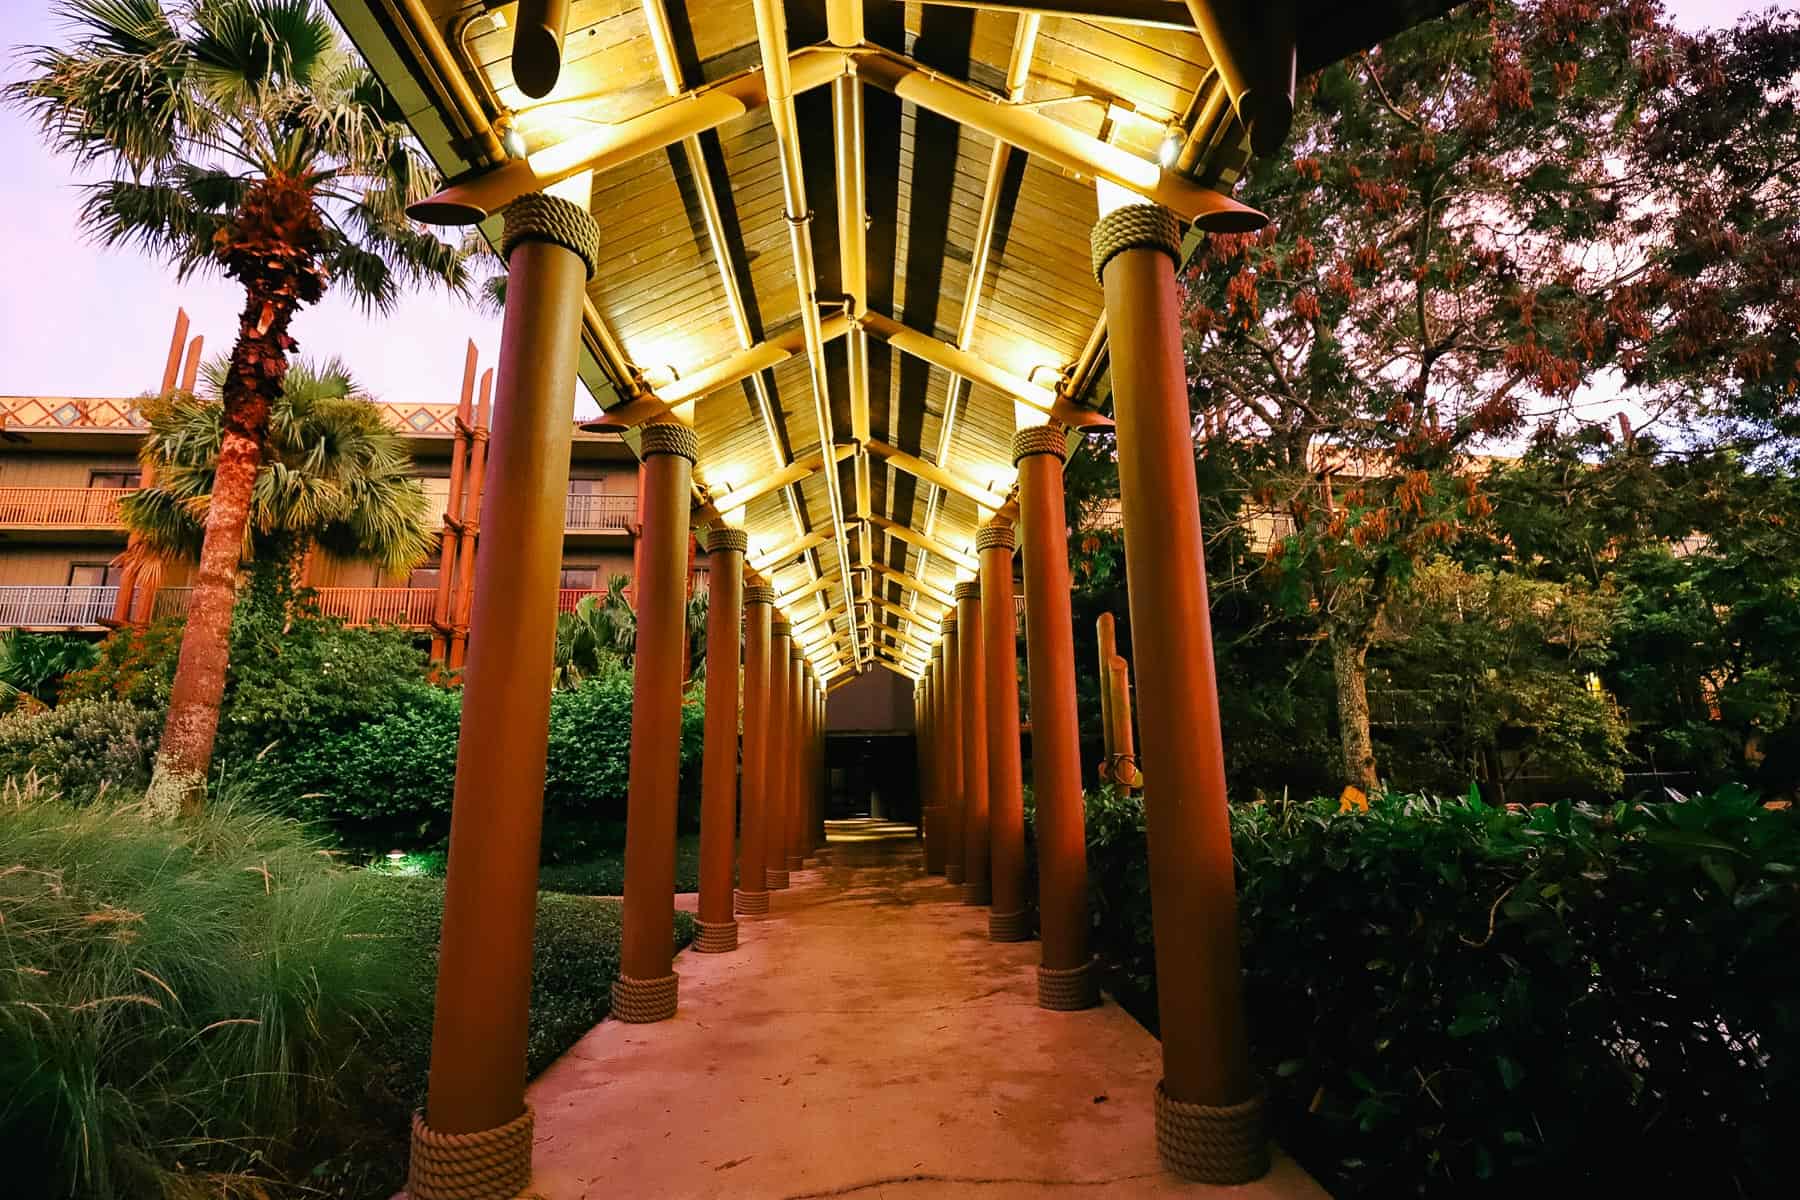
(758, 593)
(779, 628)
(537, 217)
(670, 437)
(1041, 439)
(949, 622)
(996, 535)
(723, 538)
(968, 589)
(1134, 227)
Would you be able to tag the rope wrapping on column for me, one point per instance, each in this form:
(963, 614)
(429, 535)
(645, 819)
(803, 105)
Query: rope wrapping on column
(780, 628)
(953, 873)
(977, 893)
(1067, 991)
(949, 623)
(758, 593)
(750, 904)
(492, 1164)
(967, 589)
(644, 1001)
(721, 538)
(536, 217)
(718, 937)
(1218, 1145)
(1134, 227)
(796, 862)
(1009, 927)
(776, 878)
(1041, 439)
(996, 535)
(669, 437)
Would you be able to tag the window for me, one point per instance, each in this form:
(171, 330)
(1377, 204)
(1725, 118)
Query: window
(423, 577)
(114, 479)
(94, 574)
(584, 579)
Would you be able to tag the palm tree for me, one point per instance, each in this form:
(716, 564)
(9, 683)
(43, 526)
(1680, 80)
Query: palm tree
(242, 137)
(600, 632)
(334, 475)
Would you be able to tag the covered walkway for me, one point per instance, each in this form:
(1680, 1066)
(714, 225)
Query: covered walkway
(867, 1041)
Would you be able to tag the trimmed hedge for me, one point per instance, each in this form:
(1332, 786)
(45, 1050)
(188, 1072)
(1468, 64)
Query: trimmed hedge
(1451, 999)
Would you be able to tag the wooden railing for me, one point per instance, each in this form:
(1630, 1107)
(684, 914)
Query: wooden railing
(378, 605)
(52, 607)
(62, 507)
(589, 512)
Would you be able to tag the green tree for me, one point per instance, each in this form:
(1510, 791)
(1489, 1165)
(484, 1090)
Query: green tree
(599, 635)
(33, 665)
(243, 137)
(1447, 237)
(333, 476)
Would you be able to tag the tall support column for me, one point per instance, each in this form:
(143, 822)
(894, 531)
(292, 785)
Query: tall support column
(933, 814)
(1065, 979)
(971, 671)
(954, 865)
(753, 889)
(816, 760)
(1009, 919)
(719, 769)
(796, 773)
(775, 776)
(477, 1079)
(1208, 1107)
(647, 985)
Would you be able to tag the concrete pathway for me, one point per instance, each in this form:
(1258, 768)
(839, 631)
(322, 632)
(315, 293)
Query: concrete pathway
(865, 1040)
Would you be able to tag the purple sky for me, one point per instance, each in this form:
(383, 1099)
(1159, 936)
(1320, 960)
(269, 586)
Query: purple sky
(76, 320)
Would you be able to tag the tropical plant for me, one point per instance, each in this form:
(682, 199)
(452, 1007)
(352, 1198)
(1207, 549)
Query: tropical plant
(33, 665)
(600, 633)
(240, 136)
(334, 475)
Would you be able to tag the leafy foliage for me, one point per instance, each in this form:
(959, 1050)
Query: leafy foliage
(81, 748)
(1450, 999)
(32, 665)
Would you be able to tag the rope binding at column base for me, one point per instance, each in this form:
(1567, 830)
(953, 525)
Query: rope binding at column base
(977, 893)
(1009, 927)
(750, 904)
(644, 1001)
(796, 862)
(775, 878)
(1219, 1145)
(1067, 990)
(717, 937)
(491, 1164)
(954, 873)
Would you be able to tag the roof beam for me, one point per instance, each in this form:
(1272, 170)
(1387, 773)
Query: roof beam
(817, 585)
(917, 585)
(925, 542)
(962, 364)
(794, 472)
(913, 465)
(808, 624)
(735, 367)
(1154, 14)
(1054, 142)
(474, 199)
(791, 550)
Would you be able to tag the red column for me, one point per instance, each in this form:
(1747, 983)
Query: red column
(1208, 1096)
(971, 666)
(1065, 980)
(477, 1078)
(753, 890)
(953, 753)
(1009, 919)
(647, 985)
(932, 813)
(796, 824)
(719, 774)
(775, 765)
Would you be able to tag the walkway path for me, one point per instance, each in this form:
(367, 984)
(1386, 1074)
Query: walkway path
(866, 1040)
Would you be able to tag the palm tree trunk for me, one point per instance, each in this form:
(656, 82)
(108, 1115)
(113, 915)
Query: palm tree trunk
(271, 248)
(1349, 667)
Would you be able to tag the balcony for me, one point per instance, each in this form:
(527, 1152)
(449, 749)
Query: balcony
(61, 507)
(29, 606)
(585, 512)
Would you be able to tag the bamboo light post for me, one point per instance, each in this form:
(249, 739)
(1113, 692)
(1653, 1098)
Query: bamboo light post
(128, 582)
(753, 891)
(476, 1123)
(459, 456)
(1121, 765)
(1065, 978)
(953, 757)
(647, 985)
(1209, 1113)
(1009, 920)
(775, 775)
(1108, 646)
(469, 536)
(971, 668)
(717, 932)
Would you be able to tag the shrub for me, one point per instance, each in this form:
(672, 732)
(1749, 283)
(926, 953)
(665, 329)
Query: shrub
(81, 747)
(1450, 999)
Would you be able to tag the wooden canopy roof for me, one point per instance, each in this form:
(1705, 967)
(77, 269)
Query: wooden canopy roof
(846, 239)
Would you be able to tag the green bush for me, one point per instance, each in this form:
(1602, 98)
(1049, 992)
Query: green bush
(1450, 999)
(81, 747)
(603, 874)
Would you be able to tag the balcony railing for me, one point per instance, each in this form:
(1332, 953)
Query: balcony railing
(588, 512)
(62, 507)
(33, 607)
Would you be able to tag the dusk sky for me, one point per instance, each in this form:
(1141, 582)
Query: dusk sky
(76, 320)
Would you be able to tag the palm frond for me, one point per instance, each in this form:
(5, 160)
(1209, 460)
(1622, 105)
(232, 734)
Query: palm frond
(156, 217)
